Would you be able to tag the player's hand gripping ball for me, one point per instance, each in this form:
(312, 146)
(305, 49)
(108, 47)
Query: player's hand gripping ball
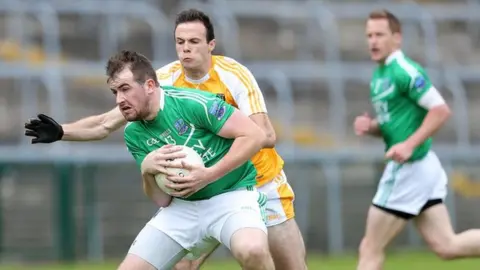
(192, 157)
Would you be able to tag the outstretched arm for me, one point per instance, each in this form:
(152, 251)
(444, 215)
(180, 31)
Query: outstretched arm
(93, 128)
(45, 129)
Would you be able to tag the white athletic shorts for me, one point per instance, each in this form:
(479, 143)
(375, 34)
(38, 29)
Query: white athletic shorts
(280, 198)
(408, 187)
(197, 227)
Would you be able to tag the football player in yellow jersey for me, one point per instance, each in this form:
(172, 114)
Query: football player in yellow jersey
(197, 68)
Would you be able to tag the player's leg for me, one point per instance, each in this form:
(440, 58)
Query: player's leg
(236, 220)
(436, 228)
(284, 237)
(400, 196)
(249, 246)
(180, 223)
(194, 264)
(383, 225)
(152, 250)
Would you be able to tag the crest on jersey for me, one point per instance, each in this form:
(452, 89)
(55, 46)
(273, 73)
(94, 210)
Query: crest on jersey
(181, 126)
(217, 110)
(419, 82)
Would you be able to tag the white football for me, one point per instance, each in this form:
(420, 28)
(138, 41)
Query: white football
(192, 157)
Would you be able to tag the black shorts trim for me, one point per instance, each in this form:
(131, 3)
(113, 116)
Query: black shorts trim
(408, 216)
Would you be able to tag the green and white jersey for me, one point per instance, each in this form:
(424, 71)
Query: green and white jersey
(191, 118)
(397, 92)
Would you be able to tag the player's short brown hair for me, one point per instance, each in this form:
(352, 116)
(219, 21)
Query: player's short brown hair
(194, 15)
(140, 66)
(393, 21)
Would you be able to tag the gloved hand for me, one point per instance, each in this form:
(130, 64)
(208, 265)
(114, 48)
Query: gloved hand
(44, 129)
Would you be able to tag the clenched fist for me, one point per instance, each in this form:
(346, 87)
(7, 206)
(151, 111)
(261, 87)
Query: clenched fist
(362, 124)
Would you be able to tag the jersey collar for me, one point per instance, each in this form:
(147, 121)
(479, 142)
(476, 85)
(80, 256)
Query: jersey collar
(199, 81)
(393, 56)
(162, 99)
(204, 78)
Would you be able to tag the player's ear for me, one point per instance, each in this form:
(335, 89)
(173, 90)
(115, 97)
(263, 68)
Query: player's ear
(150, 85)
(211, 45)
(397, 38)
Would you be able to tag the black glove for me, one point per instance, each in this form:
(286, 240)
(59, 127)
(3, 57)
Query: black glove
(44, 129)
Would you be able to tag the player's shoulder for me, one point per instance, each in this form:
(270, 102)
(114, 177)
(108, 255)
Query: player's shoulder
(406, 66)
(233, 74)
(169, 71)
(229, 65)
(131, 130)
(187, 96)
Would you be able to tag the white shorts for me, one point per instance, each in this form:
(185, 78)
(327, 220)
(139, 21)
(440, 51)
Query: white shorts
(408, 187)
(280, 199)
(199, 226)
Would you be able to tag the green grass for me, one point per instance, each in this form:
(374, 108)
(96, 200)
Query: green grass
(397, 261)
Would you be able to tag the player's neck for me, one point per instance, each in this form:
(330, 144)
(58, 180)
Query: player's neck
(156, 104)
(392, 56)
(200, 72)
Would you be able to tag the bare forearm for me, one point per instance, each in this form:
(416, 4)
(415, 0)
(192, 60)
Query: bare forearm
(87, 129)
(242, 149)
(270, 141)
(152, 191)
(433, 121)
(263, 122)
(374, 129)
(95, 127)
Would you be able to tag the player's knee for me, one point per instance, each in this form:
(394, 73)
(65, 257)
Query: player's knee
(445, 251)
(252, 252)
(368, 248)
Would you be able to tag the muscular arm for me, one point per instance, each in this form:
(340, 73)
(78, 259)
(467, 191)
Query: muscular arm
(438, 114)
(93, 128)
(151, 189)
(249, 139)
(263, 121)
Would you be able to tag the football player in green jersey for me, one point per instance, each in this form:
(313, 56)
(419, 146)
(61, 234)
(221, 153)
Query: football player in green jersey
(215, 203)
(409, 110)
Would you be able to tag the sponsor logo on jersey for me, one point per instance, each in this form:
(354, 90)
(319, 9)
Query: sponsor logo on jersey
(165, 133)
(382, 85)
(384, 88)
(217, 110)
(152, 141)
(419, 82)
(181, 126)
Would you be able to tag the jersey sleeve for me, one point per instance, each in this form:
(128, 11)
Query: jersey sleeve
(248, 96)
(243, 86)
(415, 84)
(209, 113)
(135, 150)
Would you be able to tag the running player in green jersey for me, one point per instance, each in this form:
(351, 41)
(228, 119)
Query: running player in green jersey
(409, 110)
(214, 203)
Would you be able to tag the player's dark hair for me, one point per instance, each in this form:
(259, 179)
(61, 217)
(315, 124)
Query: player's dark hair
(194, 15)
(140, 66)
(393, 21)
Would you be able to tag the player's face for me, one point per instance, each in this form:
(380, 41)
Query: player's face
(131, 97)
(381, 41)
(191, 44)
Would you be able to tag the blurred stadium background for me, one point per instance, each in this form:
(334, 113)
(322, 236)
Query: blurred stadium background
(69, 202)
